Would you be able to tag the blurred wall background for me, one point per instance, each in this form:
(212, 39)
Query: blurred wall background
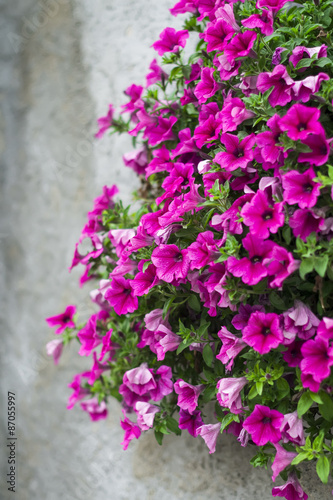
(62, 63)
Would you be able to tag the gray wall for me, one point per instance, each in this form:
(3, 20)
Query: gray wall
(59, 71)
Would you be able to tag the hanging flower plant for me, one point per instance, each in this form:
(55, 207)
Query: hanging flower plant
(219, 288)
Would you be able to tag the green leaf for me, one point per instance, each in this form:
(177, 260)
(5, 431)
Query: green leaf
(304, 404)
(316, 398)
(320, 265)
(194, 303)
(304, 455)
(277, 301)
(209, 393)
(208, 355)
(253, 392)
(172, 425)
(326, 409)
(306, 267)
(304, 63)
(167, 306)
(323, 61)
(323, 468)
(159, 437)
(183, 345)
(282, 387)
(286, 233)
(259, 387)
(146, 265)
(317, 444)
(226, 421)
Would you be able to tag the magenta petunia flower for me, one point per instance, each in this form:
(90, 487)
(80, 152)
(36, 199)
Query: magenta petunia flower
(320, 150)
(145, 414)
(187, 395)
(97, 411)
(291, 490)
(233, 114)
(302, 90)
(317, 358)
(325, 329)
(231, 347)
(105, 122)
(300, 121)
(121, 296)
(170, 41)
(252, 269)
(304, 222)
(190, 422)
(79, 391)
(89, 335)
(228, 393)
(273, 5)
(207, 85)
(131, 431)
(170, 262)
(226, 12)
(156, 74)
(281, 266)
(293, 355)
(240, 46)
(167, 341)
(263, 21)
(302, 52)
(184, 6)
(137, 160)
(207, 131)
(144, 281)
(264, 425)
(134, 92)
(261, 216)
(292, 429)
(282, 83)
(263, 332)
(217, 35)
(163, 381)
(160, 131)
(282, 459)
(299, 321)
(210, 433)
(139, 380)
(64, 320)
(238, 154)
(203, 250)
(226, 69)
(300, 188)
(267, 141)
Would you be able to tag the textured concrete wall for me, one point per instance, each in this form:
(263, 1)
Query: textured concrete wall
(62, 62)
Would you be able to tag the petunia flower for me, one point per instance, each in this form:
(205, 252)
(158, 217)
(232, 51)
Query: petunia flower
(238, 153)
(207, 85)
(163, 381)
(281, 266)
(210, 433)
(105, 122)
(292, 429)
(131, 431)
(170, 262)
(302, 52)
(190, 422)
(145, 414)
(228, 393)
(273, 5)
(264, 425)
(139, 380)
(97, 411)
(317, 358)
(262, 216)
(64, 320)
(184, 6)
(156, 74)
(263, 21)
(304, 222)
(54, 348)
(263, 332)
(203, 250)
(282, 83)
(231, 347)
(167, 341)
(121, 296)
(320, 150)
(291, 490)
(170, 41)
(325, 329)
(302, 90)
(300, 121)
(187, 395)
(217, 35)
(282, 459)
(293, 355)
(300, 188)
(240, 46)
(233, 114)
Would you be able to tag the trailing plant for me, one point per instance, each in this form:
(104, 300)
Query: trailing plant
(218, 289)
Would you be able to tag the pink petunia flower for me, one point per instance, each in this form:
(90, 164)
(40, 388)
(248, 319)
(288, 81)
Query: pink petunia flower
(304, 222)
(97, 411)
(167, 341)
(217, 35)
(293, 355)
(282, 459)
(64, 320)
(240, 46)
(233, 114)
(320, 150)
(268, 141)
(156, 74)
(300, 188)
(292, 429)
(226, 69)
(54, 348)
(302, 52)
(139, 380)
(262, 216)
(317, 358)
(302, 90)
(264, 425)
(207, 85)
(121, 296)
(184, 6)
(325, 329)
(273, 5)
(144, 281)
(210, 433)
(105, 122)
(282, 83)
(300, 121)
(252, 269)
(281, 266)
(228, 393)
(263, 21)
(299, 321)
(291, 490)
(190, 422)
(203, 250)
(238, 153)
(137, 160)
(163, 381)
(187, 395)
(145, 414)
(263, 332)
(131, 431)
(170, 41)
(170, 262)
(231, 347)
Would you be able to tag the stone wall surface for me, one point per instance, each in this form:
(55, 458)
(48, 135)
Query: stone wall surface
(62, 63)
